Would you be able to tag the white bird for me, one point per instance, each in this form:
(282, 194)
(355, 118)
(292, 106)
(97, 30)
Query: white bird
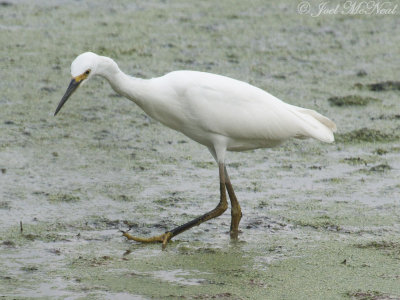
(218, 112)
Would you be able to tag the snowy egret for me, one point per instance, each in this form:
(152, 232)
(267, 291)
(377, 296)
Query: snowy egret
(218, 112)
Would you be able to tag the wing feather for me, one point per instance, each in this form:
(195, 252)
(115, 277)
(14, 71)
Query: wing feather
(228, 107)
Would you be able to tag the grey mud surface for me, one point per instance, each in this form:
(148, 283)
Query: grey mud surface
(320, 221)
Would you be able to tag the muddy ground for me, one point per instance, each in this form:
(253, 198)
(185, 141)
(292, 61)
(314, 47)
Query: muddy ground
(320, 221)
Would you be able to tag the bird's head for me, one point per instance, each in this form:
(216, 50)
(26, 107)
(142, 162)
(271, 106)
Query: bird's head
(82, 69)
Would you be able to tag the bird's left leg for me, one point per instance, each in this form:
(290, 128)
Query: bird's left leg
(217, 211)
(236, 211)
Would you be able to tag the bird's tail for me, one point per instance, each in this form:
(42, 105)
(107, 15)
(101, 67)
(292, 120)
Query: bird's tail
(315, 125)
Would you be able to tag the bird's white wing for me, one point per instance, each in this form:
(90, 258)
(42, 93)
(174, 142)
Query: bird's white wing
(237, 110)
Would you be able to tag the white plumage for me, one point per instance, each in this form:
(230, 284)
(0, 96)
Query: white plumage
(218, 112)
(213, 109)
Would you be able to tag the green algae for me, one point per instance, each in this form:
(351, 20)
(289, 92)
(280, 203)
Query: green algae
(23, 234)
(188, 268)
(5, 204)
(355, 161)
(369, 295)
(204, 164)
(351, 100)
(391, 248)
(194, 273)
(337, 216)
(381, 151)
(102, 165)
(60, 197)
(389, 85)
(187, 271)
(386, 117)
(380, 168)
(365, 263)
(366, 135)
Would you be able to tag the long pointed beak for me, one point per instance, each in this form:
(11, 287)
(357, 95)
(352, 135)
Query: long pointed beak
(73, 85)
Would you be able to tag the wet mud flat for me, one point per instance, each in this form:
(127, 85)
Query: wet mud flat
(320, 221)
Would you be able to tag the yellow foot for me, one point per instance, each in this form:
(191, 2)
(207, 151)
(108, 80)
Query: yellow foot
(163, 238)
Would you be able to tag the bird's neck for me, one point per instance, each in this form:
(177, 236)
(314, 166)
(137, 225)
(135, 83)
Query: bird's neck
(151, 95)
(135, 89)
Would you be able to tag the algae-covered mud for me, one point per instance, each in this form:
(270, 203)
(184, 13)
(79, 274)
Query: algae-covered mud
(321, 221)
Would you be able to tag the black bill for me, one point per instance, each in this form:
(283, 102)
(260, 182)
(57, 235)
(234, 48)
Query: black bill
(73, 85)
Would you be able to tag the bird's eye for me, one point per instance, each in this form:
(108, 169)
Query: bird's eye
(87, 72)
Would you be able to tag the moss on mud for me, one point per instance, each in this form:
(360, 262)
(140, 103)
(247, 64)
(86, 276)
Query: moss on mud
(351, 100)
(314, 225)
(366, 135)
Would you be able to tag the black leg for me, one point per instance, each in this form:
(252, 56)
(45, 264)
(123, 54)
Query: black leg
(216, 212)
(236, 211)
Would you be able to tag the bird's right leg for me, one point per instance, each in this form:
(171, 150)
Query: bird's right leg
(236, 211)
(217, 211)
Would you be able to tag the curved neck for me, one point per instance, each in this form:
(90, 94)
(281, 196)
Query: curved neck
(154, 96)
(135, 89)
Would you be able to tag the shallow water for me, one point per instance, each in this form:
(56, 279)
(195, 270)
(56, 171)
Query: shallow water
(320, 221)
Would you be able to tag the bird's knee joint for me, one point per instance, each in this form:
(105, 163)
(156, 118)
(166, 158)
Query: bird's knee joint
(236, 213)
